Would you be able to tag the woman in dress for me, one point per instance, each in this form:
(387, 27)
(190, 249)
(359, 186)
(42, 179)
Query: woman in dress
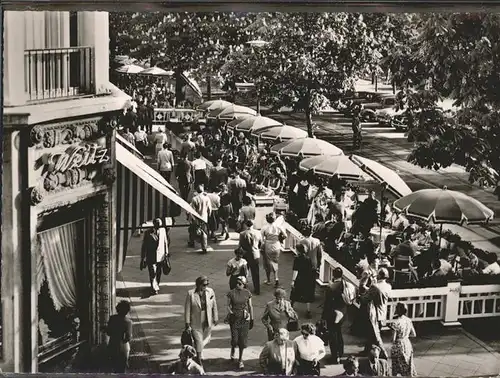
(278, 313)
(160, 139)
(240, 317)
(272, 237)
(119, 330)
(186, 363)
(303, 280)
(236, 267)
(402, 350)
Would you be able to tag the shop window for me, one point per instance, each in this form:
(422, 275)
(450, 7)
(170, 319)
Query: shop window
(59, 252)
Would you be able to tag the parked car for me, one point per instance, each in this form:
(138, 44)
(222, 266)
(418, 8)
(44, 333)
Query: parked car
(385, 116)
(355, 99)
(380, 101)
(399, 120)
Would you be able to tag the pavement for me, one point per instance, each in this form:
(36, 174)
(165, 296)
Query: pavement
(158, 320)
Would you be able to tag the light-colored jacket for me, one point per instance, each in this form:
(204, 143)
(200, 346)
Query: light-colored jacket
(165, 160)
(270, 358)
(278, 319)
(192, 309)
(154, 246)
(313, 249)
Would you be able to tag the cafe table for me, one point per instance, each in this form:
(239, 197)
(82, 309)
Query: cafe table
(375, 233)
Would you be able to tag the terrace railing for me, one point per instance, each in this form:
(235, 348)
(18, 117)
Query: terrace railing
(58, 73)
(448, 304)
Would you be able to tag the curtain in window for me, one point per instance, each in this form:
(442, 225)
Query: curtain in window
(59, 252)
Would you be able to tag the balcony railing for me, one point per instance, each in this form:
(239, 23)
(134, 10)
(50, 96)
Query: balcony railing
(57, 73)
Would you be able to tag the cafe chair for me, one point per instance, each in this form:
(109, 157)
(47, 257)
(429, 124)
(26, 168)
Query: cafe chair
(402, 269)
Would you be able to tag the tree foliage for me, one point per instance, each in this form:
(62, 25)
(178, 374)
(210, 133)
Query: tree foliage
(309, 57)
(183, 41)
(455, 56)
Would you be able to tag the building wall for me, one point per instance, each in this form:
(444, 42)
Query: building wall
(23, 192)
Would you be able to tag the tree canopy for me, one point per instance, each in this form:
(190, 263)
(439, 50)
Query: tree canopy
(455, 56)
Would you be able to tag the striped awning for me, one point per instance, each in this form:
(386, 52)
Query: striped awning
(142, 195)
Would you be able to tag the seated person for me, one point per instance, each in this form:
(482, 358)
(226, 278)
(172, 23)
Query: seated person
(390, 242)
(466, 270)
(446, 266)
(400, 223)
(493, 267)
(407, 248)
(437, 276)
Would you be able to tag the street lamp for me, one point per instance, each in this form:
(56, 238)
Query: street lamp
(258, 43)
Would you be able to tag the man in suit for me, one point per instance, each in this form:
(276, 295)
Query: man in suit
(184, 176)
(373, 366)
(198, 230)
(312, 247)
(237, 190)
(201, 314)
(278, 356)
(334, 310)
(376, 298)
(153, 253)
(250, 243)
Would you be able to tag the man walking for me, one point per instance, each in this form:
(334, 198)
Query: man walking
(237, 190)
(201, 314)
(166, 162)
(334, 310)
(376, 299)
(198, 229)
(154, 252)
(356, 127)
(250, 243)
(184, 176)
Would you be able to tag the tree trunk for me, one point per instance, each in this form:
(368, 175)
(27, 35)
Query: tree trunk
(179, 84)
(209, 88)
(309, 122)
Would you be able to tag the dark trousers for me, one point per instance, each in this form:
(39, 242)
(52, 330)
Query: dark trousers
(166, 175)
(307, 368)
(155, 275)
(254, 267)
(184, 190)
(335, 339)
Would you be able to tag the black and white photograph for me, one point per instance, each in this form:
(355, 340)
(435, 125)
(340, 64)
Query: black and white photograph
(244, 194)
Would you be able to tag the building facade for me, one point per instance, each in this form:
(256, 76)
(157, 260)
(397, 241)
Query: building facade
(58, 249)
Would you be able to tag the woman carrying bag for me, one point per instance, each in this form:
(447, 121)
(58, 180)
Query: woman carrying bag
(278, 314)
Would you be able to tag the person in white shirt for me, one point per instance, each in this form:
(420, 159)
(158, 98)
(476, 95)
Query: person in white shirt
(309, 351)
(166, 162)
(236, 267)
(129, 136)
(493, 267)
(141, 140)
(200, 170)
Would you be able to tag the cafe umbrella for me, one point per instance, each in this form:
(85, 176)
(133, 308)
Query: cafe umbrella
(214, 105)
(256, 123)
(235, 111)
(444, 206)
(333, 166)
(156, 71)
(130, 69)
(281, 133)
(386, 176)
(305, 147)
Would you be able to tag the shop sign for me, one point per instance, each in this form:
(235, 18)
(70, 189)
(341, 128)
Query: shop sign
(78, 157)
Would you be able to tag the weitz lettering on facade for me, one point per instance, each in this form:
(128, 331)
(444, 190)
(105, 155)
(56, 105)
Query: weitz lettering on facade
(77, 157)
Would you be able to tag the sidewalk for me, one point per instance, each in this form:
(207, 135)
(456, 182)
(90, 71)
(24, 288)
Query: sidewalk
(158, 320)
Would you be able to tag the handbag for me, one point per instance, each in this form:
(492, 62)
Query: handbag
(187, 338)
(167, 265)
(292, 325)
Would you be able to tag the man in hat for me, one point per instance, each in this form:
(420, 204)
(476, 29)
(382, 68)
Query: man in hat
(374, 366)
(154, 252)
(201, 314)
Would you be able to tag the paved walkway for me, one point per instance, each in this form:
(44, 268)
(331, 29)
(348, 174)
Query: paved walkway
(159, 321)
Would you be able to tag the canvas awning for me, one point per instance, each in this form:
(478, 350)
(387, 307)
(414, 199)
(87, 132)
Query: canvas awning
(142, 194)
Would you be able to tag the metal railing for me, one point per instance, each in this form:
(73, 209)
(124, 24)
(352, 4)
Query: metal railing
(57, 73)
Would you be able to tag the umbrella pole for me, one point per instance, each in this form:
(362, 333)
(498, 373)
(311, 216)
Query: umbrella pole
(440, 234)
